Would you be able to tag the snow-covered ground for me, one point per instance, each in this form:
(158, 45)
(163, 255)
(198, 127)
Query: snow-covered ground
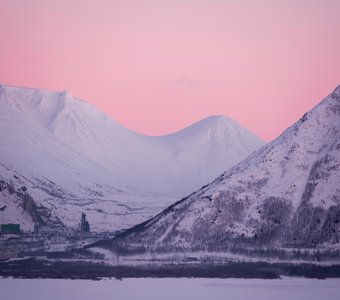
(71, 157)
(186, 289)
(286, 193)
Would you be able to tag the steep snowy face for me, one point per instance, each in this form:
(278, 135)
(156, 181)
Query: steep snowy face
(285, 194)
(72, 157)
(210, 147)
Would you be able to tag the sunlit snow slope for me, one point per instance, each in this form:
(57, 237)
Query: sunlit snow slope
(70, 157)
(286, 194)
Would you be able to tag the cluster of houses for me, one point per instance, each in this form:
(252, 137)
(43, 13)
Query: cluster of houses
(15, 243)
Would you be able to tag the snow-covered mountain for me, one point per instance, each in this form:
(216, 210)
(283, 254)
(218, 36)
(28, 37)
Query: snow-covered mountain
(69, 157)
(286, 194)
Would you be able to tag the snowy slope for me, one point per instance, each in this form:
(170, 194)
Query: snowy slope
(71, 158)
(286, 194)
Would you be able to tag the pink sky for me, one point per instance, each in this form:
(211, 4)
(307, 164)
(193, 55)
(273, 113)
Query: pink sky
(157, 66)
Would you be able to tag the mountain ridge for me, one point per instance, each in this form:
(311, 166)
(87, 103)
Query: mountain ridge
(53, 137)
(285, 194)
(66, 96)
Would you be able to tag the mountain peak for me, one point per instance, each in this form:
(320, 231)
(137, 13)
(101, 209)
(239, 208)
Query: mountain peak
(216, 118)
(210, 123)
(85, 153)
(336, 93)
(66, 95)
(284, 194)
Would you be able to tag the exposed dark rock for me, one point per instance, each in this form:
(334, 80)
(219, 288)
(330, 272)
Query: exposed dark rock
(30, 206)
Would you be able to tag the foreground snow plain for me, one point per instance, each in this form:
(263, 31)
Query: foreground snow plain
(285, 288)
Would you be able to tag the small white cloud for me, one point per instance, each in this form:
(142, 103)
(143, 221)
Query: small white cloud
(187, 82)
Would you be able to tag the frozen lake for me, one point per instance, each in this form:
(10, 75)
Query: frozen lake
(213, 289)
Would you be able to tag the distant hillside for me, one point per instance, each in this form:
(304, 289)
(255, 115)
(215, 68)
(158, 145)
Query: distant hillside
(72, 158)
(285, 195)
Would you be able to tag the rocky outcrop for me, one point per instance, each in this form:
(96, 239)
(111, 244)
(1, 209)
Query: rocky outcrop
(30, 206)
(39, 214)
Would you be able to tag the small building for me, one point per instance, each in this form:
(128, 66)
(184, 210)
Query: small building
(10, 228)
(84, 224)
(45, 230)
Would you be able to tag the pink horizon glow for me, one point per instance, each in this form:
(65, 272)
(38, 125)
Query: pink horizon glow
(157, 66)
